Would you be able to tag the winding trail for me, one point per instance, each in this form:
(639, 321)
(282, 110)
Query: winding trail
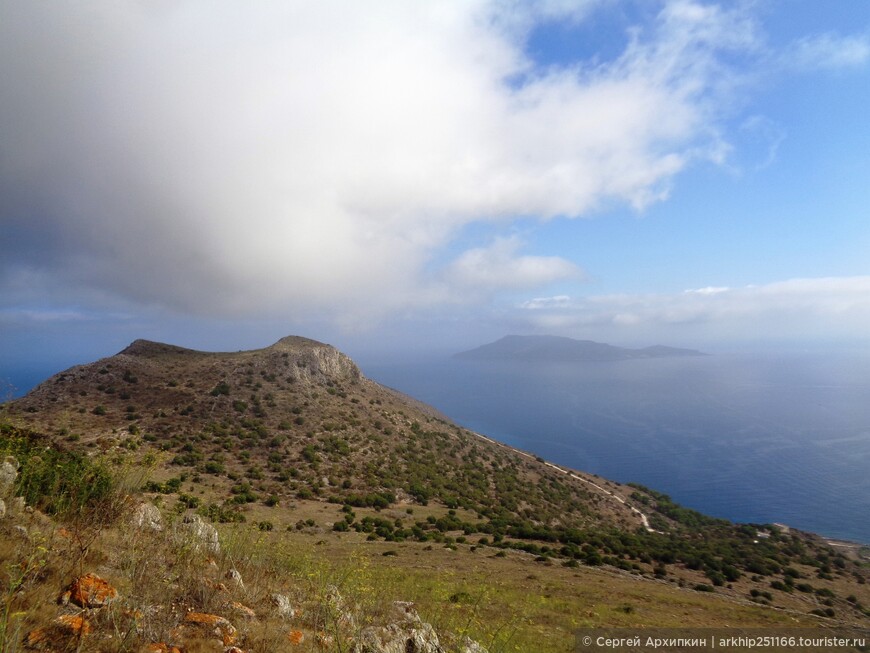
(643, 518)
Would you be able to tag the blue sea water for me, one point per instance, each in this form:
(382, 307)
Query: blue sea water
(755, 439)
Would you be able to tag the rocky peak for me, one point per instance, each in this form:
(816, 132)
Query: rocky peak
(313, 358)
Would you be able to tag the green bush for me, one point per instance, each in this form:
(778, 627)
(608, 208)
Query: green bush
(220, 389)
(214, 467)
(54, 481)
(188, 501)
(221, 514)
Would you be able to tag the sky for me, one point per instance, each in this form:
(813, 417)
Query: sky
(398, 177)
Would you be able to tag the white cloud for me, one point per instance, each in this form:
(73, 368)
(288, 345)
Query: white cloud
(708, 290)
(829, 51)
(498, 267)
(839, 305)
(221, 158)
(547, 302)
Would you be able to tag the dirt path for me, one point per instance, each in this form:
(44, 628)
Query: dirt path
(643, 518)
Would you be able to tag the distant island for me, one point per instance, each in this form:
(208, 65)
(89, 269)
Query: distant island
(557, 348)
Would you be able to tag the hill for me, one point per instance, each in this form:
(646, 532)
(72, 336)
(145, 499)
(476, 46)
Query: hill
(557, 348)
(298, 419)
(345, 480)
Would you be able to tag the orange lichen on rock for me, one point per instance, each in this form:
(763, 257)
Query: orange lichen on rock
(296, 637)
(213, 623)
(89, 591)
(241, 609)
(161, 647)
(58, 634)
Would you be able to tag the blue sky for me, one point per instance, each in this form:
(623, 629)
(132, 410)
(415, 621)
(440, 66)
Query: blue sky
(397, 176)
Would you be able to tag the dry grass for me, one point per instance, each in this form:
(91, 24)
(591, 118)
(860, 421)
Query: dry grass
(339, 583)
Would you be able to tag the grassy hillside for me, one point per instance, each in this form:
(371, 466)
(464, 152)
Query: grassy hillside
(319, 478)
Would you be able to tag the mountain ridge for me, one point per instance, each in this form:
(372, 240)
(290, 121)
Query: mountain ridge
(295, 395)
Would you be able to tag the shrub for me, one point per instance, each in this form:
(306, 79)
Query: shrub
(221, 514)
(214, 467)
(54, 481)
(188, 501)
(461, 597)
(220, 389)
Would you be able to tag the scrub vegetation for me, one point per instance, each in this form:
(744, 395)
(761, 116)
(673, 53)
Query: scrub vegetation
(318, 478)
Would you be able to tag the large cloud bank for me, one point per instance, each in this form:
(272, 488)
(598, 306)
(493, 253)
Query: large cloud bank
(225, 157)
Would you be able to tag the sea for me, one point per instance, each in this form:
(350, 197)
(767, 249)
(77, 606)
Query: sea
(773, 438)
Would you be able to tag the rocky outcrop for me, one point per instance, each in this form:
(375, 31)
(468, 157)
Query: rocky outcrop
(332, 363)
(317, 359)
(146, 516)
(89, 591)
(8, 475)
(200, 534)
(399, 638)
(407, 634)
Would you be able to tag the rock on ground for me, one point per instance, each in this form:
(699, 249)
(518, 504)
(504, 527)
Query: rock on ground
(89, 591)
(209, 625)
(236, 578)
(8, 474)
(283, 606)
(63, 631)
(146, 516)
(409, 634)
(203, 534)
